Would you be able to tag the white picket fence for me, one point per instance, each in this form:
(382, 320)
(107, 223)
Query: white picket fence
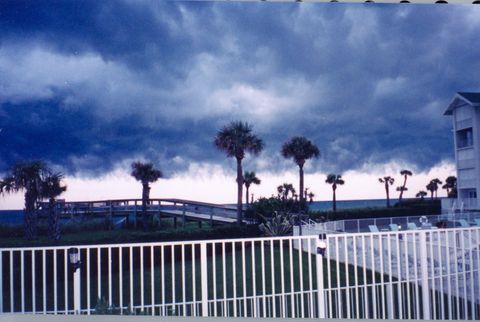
(420, 274)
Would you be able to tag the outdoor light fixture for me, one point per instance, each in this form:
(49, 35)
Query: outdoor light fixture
(74, 256)
(321, 245)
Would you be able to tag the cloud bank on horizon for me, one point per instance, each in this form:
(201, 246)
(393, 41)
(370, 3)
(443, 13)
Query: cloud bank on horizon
(89, 86)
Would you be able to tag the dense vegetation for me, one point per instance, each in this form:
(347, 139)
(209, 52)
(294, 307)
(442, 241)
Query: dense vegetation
(75, 234)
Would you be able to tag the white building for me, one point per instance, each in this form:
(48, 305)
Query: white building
(465, 109)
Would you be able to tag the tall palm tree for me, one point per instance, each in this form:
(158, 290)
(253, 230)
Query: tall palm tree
(146, 174)
(51, 187)
(300, 149)
(405, 174)
(421, 194)
(334, 180)
(249, 178)
(235, 139)
(388, 181)
(26, 176)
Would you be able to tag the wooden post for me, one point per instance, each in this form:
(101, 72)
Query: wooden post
(110, 216)
(159, 214)
(135, 216)
(184, 217)
(211, 216)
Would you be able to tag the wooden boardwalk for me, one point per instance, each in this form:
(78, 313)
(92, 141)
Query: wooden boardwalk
(131, 209)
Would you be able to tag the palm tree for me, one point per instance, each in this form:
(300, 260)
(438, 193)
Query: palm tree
(401, 189)
(405, 174)
(388, 181)
(50, 189)
(421, 194)
(432, 186)
(437, 183)
(146, 174)
(451, 186)
(334, 180)
(235, 140)
(284, 190)
(249, 178)
(310, 196)
(300, 149)
(26, 176)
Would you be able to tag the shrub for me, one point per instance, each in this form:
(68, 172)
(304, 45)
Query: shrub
(265, 208)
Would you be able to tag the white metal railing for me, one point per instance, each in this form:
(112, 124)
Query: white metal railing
(262, 277)
(418, 274)
(421, 274)
(383, 223)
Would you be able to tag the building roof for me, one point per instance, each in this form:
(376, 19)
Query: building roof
(473, 98)
(463, 98)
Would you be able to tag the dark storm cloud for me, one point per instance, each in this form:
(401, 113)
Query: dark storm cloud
(87, 85)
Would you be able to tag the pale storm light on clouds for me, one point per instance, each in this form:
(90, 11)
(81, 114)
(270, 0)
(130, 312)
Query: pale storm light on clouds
(91, 88)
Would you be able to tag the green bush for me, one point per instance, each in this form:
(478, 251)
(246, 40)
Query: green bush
(266, 207)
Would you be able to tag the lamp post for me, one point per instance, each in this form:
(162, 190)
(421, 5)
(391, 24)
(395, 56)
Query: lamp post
(75, 263)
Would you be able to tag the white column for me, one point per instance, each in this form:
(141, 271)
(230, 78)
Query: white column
(320, 286)
(204, 280)
(76, 291)
(424, 276)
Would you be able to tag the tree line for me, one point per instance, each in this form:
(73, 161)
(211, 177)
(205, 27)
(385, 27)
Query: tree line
(235, 139)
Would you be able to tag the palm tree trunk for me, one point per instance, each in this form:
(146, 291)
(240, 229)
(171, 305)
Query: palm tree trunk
(240, 190)
(403, 187)
(334, 201)
(301, 183)
(30, 222)
(388, 195)
(246, 196)
(53, 225)
(145, 196)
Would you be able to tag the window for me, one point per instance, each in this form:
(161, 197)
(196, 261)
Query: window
(464, 138)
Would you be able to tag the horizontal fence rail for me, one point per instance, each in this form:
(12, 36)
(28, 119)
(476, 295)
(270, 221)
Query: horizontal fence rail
(414, 274)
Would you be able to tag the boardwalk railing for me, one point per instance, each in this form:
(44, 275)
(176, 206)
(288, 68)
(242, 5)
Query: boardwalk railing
(416, 274)
(131, 209)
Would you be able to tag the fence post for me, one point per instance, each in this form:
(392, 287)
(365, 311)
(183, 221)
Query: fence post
(76, 291)
(424, 269)
(320, 249)
(204, 279)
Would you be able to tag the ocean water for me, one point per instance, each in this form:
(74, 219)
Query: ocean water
(14, 217)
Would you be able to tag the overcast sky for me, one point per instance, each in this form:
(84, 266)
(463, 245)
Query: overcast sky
(90, 86)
